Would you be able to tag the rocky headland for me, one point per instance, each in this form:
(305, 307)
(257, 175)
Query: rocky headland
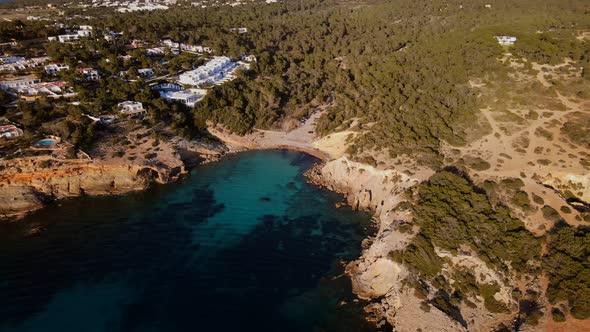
(30, 183)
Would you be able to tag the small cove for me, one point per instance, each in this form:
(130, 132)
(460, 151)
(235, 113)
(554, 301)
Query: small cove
(244, 244)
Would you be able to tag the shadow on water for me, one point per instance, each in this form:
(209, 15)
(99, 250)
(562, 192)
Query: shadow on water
(242, 245)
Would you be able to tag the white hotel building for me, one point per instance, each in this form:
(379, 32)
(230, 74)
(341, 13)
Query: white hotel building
(13, 64)
(84, 31)
(18, 82)
(216, 71)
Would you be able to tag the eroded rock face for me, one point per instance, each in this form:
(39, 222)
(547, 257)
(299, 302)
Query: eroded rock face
(578, 184)
(26, 186)
(18, 200)
(374, 275)
(365, 187)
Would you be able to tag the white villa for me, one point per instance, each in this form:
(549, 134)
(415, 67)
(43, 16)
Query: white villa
(112, 35)
(187, 97)
(132, 7)
(218, 70)
(145, 72)
(10, 43)
(86, 28)
(186, 47)
(65, 38)
(137, 43)
(506, 40)
(54, 68)
(238, 30)
(131, 108)
(10, 131)
(90, 74)
(248, 57)
(125, 57)
(156, 51)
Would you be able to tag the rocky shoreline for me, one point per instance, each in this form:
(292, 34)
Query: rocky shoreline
(30, 184)
(374, 276)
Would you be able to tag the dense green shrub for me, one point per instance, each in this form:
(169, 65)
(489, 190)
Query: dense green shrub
(512, 183)
(493, 305)
(557, 315)
(521, 199)
(568, 268)
(479, 164)
(577, 130)
(538, 199)
(420, 256)
(453, 212)
(550, 213)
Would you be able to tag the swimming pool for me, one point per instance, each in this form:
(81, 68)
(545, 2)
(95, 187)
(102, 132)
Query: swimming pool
(46, 142)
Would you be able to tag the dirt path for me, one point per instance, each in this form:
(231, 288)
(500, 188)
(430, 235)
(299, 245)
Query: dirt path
(534, 151)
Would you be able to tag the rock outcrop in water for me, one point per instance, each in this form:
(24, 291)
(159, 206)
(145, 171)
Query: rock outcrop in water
(28, 184)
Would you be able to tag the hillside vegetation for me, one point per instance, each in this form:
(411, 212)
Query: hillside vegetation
(457, 217)
(402, 67)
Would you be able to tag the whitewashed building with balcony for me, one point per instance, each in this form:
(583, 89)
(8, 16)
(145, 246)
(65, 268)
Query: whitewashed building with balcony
(131, 108)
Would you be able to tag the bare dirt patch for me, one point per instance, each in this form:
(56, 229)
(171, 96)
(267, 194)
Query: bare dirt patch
(537, 134)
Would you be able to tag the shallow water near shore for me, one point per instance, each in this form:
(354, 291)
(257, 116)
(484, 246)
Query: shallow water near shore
(244, 244)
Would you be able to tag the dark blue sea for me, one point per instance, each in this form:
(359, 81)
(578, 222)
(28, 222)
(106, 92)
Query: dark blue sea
(244, 244)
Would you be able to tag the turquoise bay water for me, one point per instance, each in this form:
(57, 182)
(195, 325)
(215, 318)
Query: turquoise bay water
(241, 245)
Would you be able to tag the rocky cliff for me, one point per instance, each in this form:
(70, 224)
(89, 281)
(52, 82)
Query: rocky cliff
(375, 276)
(30, 183)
